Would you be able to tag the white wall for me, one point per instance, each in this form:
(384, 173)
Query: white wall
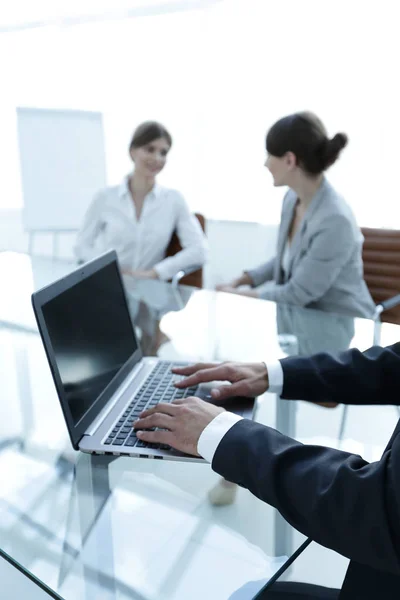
(234, 245)
(219, 78)
(12, 236)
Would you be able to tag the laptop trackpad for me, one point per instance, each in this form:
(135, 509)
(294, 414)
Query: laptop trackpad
(240, 405)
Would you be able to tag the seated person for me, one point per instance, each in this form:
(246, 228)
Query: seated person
(318, 262)
(337, 498)
(138, 217)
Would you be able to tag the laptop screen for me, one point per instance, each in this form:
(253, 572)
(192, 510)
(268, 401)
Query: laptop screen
(92, 336)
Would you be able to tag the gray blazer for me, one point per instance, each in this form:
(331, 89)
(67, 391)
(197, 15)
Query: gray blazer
(325, 264)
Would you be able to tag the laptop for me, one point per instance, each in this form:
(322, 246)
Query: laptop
(102, 379)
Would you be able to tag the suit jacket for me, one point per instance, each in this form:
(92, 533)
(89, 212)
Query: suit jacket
(336, 498)
(325, 269)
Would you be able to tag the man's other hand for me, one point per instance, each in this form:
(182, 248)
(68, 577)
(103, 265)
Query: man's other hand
(180, 423)
(247, 379)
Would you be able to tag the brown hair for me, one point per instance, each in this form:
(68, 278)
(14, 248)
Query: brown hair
(305, 135)
(147, 132)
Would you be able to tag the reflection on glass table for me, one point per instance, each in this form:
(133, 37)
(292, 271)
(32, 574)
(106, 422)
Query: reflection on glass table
(148, 301)
(95, 527)
(306, 332)
(315, 331)
(309, 332)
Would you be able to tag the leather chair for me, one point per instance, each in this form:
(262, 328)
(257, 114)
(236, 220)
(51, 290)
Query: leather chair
(381, 258)
(192, 275)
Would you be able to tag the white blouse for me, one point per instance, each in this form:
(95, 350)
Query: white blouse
(111, 223)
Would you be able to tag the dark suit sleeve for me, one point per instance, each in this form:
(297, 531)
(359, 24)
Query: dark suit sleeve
(353, 377)
(334, 497)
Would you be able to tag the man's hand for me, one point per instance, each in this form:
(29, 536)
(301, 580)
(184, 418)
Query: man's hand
(247, 379)
(181, 423)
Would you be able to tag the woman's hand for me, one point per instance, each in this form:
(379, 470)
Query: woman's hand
(141, 274)
(226, 287)
(231, 288)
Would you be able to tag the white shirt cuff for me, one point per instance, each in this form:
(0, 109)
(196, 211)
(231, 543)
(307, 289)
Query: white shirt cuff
(213, 434)
(275, 377)
(163, 271)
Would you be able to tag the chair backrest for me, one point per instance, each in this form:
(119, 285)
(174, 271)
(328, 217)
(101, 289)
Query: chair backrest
(381, 257)
(194, 279)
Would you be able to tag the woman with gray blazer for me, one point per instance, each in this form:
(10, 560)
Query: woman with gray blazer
(318, 263)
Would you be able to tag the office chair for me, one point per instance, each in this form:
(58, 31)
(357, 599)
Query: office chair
(192, 275)
(381, 258)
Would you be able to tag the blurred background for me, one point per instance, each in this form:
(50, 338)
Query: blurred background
(217, 73)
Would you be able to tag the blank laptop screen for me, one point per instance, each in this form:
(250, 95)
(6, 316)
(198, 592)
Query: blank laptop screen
(91, 335)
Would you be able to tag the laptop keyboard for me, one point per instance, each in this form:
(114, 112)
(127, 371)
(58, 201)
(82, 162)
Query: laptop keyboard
(158, 387)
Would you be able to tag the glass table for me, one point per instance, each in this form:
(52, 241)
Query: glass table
(94, 527)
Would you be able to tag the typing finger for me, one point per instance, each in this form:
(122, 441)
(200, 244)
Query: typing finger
(168, 409)
(190, 369)
(214, 373)
(155, 420)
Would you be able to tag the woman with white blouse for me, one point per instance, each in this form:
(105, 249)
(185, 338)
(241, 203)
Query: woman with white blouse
(138, 217)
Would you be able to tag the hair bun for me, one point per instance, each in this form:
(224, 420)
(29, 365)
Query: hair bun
(332, 149)
(338, 142)
(305, 136)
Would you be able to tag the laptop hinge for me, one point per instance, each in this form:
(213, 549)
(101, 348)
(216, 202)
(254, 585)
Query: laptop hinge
(113, 400)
